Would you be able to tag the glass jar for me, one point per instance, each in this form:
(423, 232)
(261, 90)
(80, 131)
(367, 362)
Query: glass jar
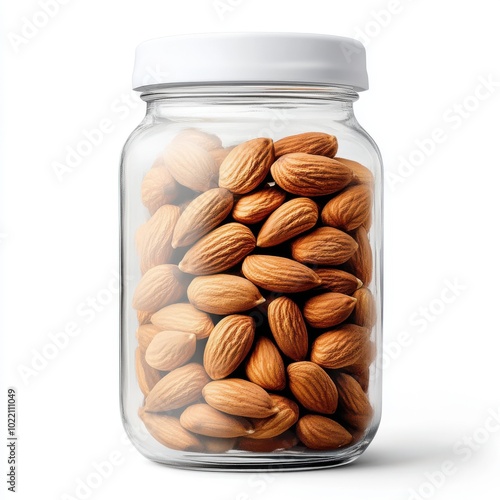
(251, 206)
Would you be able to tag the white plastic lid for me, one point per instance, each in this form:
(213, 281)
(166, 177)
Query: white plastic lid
(250, 58)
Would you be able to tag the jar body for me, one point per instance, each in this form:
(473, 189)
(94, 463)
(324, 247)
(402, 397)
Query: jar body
(251, 315)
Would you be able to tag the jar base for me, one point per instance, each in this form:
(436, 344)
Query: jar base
(259, 462)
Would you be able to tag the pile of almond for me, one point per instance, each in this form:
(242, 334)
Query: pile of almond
(254, 307)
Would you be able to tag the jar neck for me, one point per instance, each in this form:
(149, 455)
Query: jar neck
(165, 101)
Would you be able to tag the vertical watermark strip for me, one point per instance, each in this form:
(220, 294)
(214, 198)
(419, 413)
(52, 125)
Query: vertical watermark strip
(11, 439)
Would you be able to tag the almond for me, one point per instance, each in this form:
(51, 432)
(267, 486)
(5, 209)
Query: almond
(355, 407)
(159, 287)
(362, 376)
(184, 317)
(154, 238)
(284, 441)
(322, 433)
(279, 274)
(361, 174)
(145, 334)
(223, 294)
(340, 347)
(265, 366)
(361, 263)
(310, 175)
(228, 345)
(365, 312)
(147, 377)
(219, 250)
(349, 209)
(275, 425)
(315, 143)
(144, 317)
(206, 141)
(312, 387)
(336, 280)
(169, 350)
(158, 188)
(329, 309)
(325, 246)
(289, 220)
(168, 431)
(220, 154)
(207, 421)
(239, 397)
(203, 214)
(247, 165)
(178, 388)
(288, 328)
(219, 445)
(191, 166)
(361, 369)
(255, 207)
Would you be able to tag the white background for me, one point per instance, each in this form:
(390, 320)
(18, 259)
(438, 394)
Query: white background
(59, 243)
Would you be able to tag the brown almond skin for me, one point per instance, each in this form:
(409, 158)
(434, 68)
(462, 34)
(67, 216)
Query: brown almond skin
(220, 154)
(365, 312)
(340, 347)
(191, 166)
(202, 215)
(228, 345)
(312, 387)
(204, 140)
(223, 294)
(325, 246)
(279, 274)
(277, 424)
(255, 207)
(169, 350)
(284, 441)
(361, 174)
(219, 250)
(355, 407)
(310, 175)
(349, 209)
(361, 369)
(315, 143)
(328, 309)
(247, 165)
(338, 281)
(361, 262)
(145, 334)
(207, 421)
(322, 433)
(289, 220)
(144, 317)
(178, 388)
(158, 188)
(160, 286)
(154, 238)
(239, 397)
(362, 377)
(168, 431)
(147, 377)
(288, 328)
(265, 366)
(183, 317)
(219, 445)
